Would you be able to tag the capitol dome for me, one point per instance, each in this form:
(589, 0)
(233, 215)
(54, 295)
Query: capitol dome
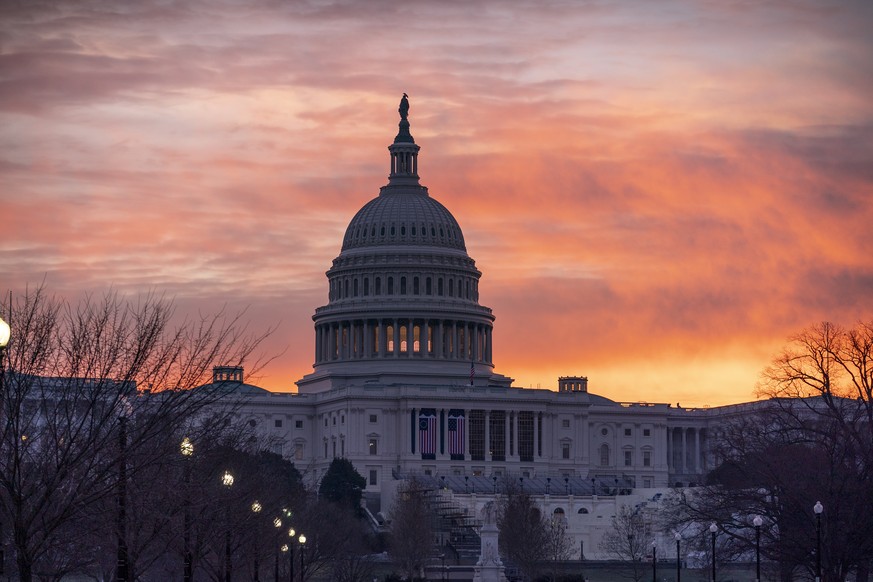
(403, 294)
(403, 218)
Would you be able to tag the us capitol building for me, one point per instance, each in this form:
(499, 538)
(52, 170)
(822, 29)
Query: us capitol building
(404, 382)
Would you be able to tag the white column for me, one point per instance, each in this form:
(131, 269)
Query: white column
(684, 463)
(424, 337)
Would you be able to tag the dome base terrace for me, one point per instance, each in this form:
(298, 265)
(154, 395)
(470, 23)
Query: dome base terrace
(410, 372)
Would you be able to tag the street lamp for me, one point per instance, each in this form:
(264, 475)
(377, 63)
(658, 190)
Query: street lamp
(277, 523)
(256, 509)
(302, 540)
(291, 533)
(654, 563)
(713, 529)
(5, 332)
(186, 448)
(122, 570)
(758, 522)
(678, 558)
(227, 481)
(818, 508)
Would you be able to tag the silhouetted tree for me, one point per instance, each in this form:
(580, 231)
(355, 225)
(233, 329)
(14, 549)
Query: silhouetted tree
(412, 542)
(628, 539)
(75, 371)
(343, 485)
(812, 440)
(523, 537)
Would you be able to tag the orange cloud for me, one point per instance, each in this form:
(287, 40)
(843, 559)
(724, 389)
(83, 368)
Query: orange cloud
(658, 194)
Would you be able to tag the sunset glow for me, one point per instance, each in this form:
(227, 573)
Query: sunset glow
(657, 193)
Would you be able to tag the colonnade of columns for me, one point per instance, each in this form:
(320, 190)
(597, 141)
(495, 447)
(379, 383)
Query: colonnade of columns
(507, 448)
(403, 338)
(686, 450)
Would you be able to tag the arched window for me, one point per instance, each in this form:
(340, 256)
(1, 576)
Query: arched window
(346, 293)
(378, 285)
(451, 287)
(415, 289)
(428, 288)
(403, 285)
(440, 286)
(355, 287)
(582, 510)
(366, 286)
(604, 455)
(390, 285)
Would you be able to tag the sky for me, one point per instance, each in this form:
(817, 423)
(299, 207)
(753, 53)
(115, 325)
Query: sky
(658, 193)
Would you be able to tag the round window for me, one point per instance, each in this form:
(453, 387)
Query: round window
(604, 432)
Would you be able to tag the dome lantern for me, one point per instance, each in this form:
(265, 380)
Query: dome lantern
(404, 151)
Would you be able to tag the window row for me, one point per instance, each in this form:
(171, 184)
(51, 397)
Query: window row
(364, 286)
(441, 232)
(628, 457)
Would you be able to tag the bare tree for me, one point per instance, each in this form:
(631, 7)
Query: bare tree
(79, 375)
(811, 440)
(412, 534)
(628, 539)
(559, 544)
(523, 537)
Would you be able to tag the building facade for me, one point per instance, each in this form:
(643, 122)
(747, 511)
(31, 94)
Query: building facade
(404, 383)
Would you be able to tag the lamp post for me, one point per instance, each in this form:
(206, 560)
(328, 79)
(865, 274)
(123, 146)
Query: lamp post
(277, 523)
(121, 562)
(757, 522)
(291, 533)
(713, 529)
(818, 508)
(227, 481)
(678, 558)
(186, 447)
(654, 563)
(302, 540)
(256, 509)
(5, 332)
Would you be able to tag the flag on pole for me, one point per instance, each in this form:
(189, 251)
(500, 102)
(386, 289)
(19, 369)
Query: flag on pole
(456, 432)
(427, 431)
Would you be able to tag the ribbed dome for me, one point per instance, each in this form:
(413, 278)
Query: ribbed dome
(403, 217)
